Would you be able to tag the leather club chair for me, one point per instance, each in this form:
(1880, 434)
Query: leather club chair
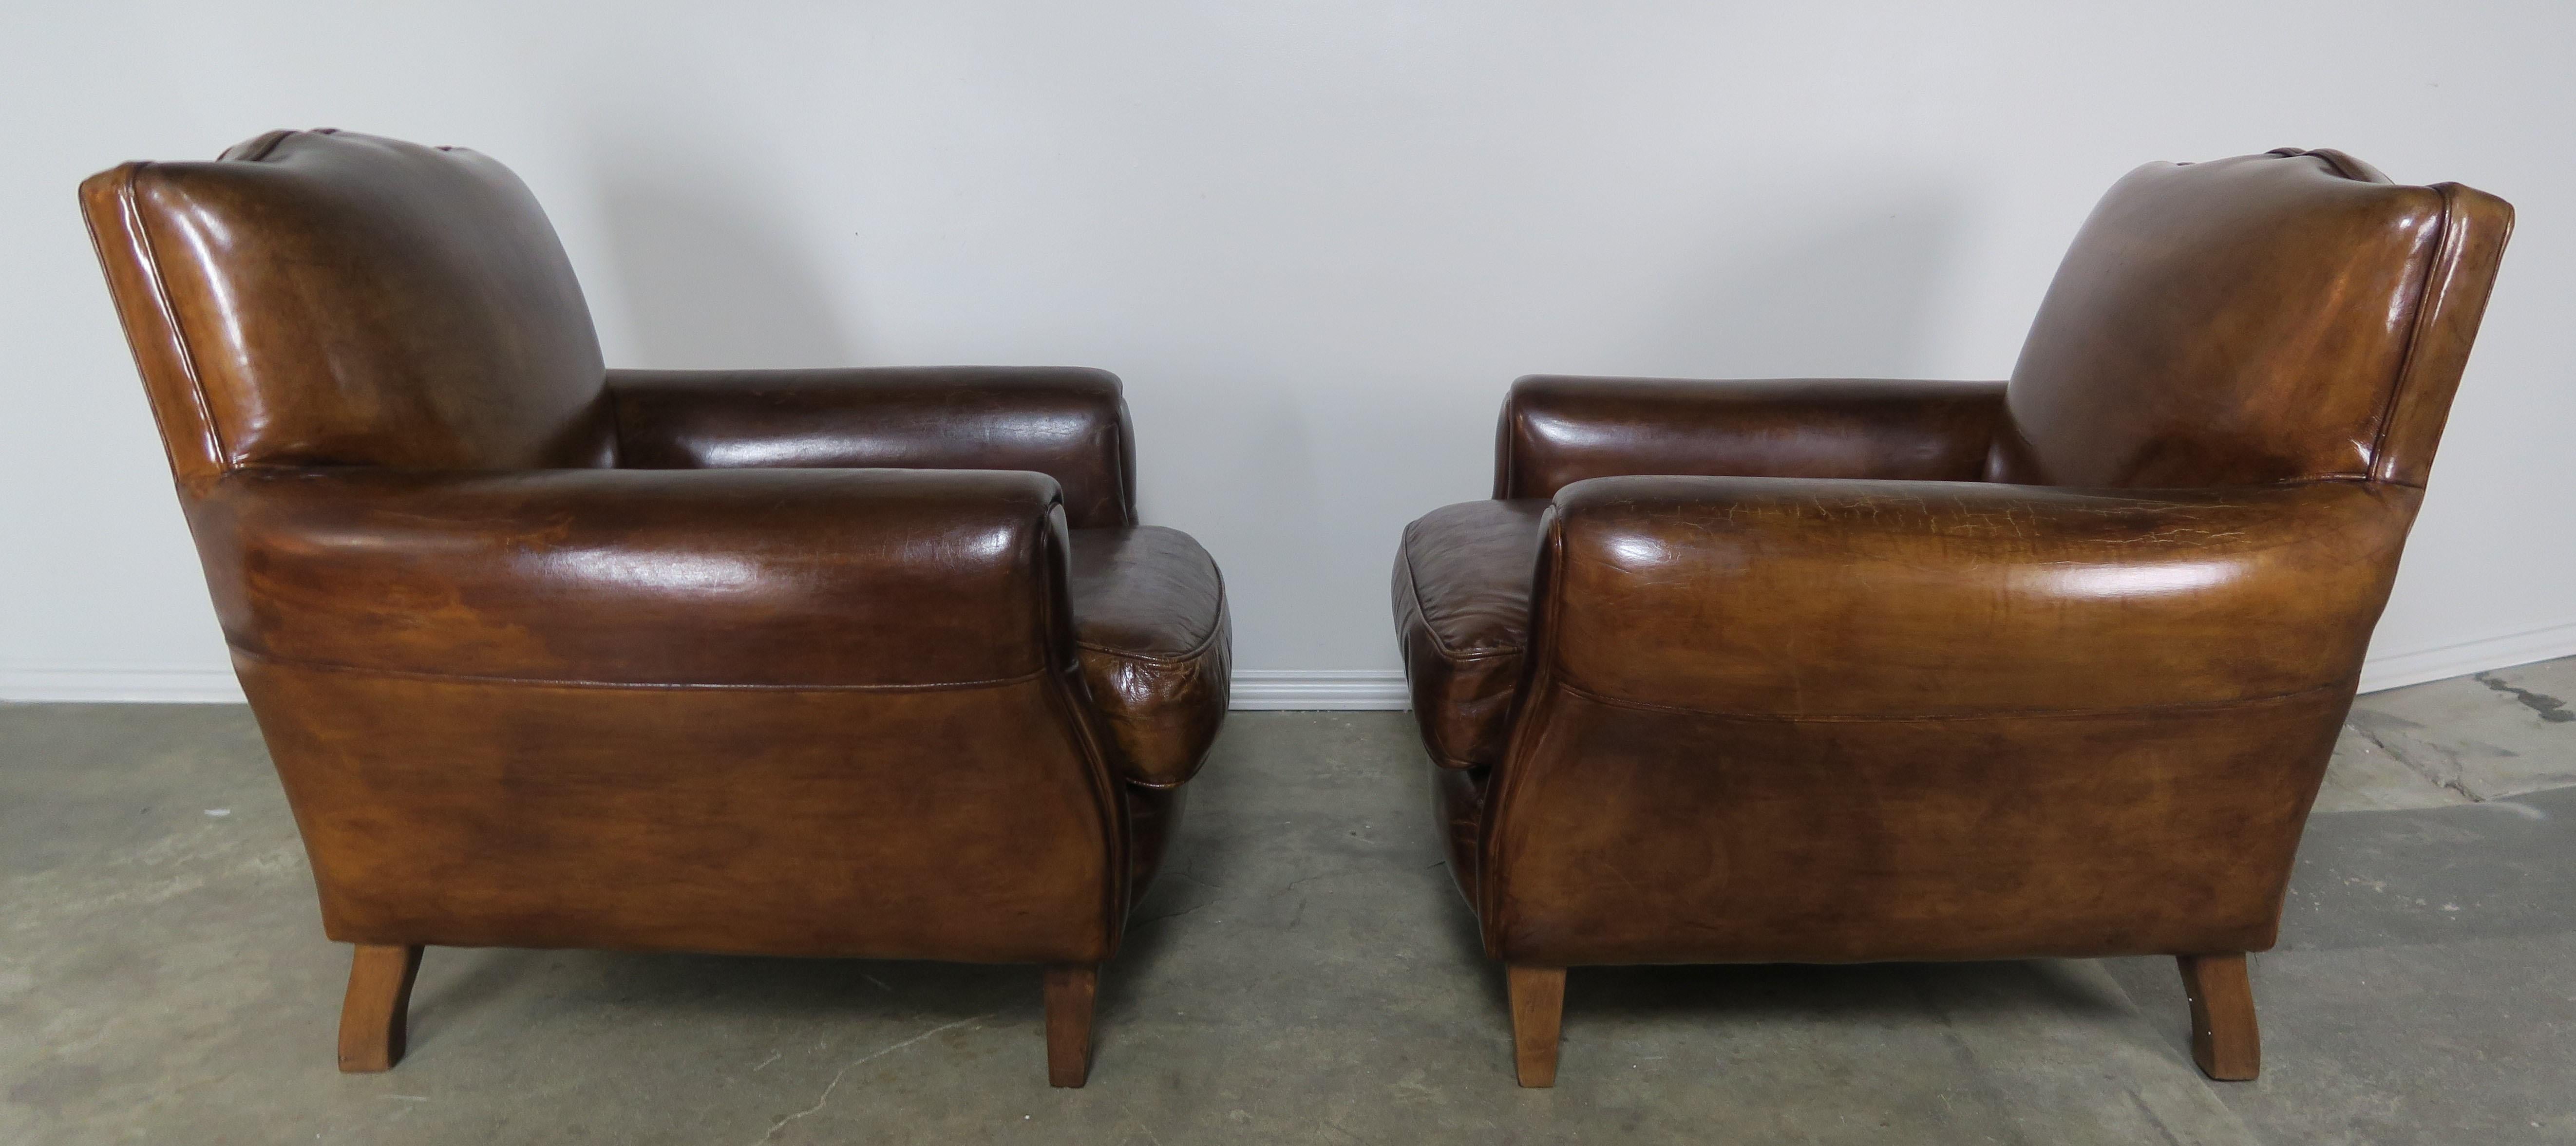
(872, 663)
(1830, 671)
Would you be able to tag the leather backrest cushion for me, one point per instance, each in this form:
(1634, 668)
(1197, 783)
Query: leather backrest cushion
(350, 300)
(2243, 320)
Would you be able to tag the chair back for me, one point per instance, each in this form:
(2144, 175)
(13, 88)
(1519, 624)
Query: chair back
(2276, 317)
(327, 298)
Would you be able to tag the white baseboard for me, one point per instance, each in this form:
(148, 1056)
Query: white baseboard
(1254, 689)
(136, 685)
(1344, 690)
(1356, 689)
(2398, 670)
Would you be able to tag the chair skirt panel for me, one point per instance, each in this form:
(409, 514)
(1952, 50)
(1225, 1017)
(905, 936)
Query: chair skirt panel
(1630, 834)
(974, 824)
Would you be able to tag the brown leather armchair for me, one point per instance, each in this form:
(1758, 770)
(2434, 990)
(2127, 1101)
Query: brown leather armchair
(1829, 671)
(867, 663)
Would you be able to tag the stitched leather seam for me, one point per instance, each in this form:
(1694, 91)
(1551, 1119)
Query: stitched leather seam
(2445, 253)
(1996, 714)
(476, 678)
(126, 203)
(1174, 660)
(1178, 677)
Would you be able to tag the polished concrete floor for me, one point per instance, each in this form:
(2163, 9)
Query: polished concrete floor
(1303, 973)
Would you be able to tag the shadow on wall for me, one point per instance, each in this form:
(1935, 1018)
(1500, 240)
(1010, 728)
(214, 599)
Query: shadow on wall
(710, 283)
(1856, 297)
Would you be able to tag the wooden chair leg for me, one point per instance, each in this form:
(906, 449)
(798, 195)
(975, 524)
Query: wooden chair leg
(2224, 1039)
(372, 1015)
(1538, 1009)
(1069, 991)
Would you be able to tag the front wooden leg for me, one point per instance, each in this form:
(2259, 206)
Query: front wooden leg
(372, 1015)
(1538, 1010)
(2224, 1039)
(1069, 991)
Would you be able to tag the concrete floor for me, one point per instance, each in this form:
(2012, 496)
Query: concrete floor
(1303, 973)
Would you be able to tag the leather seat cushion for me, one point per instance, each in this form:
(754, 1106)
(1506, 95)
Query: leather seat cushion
(1150, 629)
(1462, 605)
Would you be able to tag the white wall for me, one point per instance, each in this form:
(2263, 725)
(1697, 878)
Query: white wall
(1317, 238)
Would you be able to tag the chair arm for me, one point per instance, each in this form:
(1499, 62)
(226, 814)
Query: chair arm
(802, 578)
(1069, 424)
(1558, 430)
(1828, 599)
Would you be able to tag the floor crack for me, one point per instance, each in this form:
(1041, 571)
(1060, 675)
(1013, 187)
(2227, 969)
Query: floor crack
(1171, 914)
(853, 1064)
(2456, 783)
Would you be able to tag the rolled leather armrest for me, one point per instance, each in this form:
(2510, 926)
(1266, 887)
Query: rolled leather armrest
(792, 578)
(1827, 599)
(1559, 430)
(1069, 424)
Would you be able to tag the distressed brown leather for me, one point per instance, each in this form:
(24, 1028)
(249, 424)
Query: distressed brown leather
(854, 663)
(1797, 686)
(917, 823)
(1462, 584)
(1155, 645)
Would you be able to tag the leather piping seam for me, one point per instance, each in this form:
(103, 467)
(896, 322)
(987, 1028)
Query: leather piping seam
(126, 205)
(2446, 254)
(1568, 685)
(1528, 727)
(269, 144)
(2334, 160)
(1122, 470)
(1172, 660)
(2142, 494)
(1107, 800)
(478, 678)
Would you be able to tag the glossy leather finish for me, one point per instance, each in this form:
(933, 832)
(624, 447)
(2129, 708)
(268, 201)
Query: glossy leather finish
(854, 662)
(1770, 675)
(318, 298)
(721, 577)
(1070, 425)
(1556, 431)
(1809, 598)
(2273, 284)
